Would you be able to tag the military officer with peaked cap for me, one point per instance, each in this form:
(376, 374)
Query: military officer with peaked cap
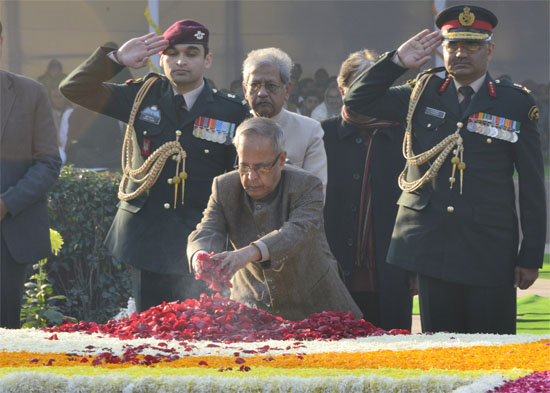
(180, 140)
(466, 134)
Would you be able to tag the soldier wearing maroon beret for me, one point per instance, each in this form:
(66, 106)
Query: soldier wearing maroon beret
(178, 140)
(466, 135)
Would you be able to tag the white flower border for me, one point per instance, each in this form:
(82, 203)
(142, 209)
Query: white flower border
(33, 340)
(117, 382)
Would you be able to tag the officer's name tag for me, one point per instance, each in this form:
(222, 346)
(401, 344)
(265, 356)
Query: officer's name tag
(494, 126)
(150, 114)
(214, 130)
(434, 112)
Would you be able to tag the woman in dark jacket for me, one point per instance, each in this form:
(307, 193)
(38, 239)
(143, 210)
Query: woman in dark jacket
(364, 160)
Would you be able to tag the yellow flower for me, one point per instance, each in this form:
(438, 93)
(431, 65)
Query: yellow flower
(57, 241)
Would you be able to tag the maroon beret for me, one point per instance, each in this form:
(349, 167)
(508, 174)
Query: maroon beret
(186, 31)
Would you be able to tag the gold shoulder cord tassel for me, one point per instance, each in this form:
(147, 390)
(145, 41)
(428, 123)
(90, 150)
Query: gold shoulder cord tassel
(147, 174)
(180, 177)
(441, 150)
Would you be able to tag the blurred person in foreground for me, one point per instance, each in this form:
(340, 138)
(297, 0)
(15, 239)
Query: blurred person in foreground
(364, 160)
(272, 214)
(466, 134)
(29, 166)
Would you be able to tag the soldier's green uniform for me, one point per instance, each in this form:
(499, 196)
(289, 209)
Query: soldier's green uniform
(148, 232)
(467, 242)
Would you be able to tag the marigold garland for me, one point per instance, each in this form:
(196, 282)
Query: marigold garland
(531, 356)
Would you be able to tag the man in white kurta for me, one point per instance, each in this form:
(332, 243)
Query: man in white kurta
(267, 86)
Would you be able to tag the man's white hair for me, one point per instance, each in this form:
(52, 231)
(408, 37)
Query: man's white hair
(262, 127)
(268, 56)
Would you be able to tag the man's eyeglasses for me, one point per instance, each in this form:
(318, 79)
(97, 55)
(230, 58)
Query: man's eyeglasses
(269, 86)
(468, 46)
(261, 169)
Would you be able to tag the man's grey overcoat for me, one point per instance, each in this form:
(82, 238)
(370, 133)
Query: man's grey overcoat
(302, 277)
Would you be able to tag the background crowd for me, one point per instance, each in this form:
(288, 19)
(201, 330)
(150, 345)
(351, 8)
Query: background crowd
(91, 140)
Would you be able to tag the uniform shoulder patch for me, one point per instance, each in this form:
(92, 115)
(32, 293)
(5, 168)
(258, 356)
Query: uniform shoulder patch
(149, 75)
(229, 96)
(534, 113)
(516, 86)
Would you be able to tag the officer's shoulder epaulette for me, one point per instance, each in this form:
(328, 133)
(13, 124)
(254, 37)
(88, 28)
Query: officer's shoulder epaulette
(412, 82)
(229, 96)
(517, 86)
(534, 112)
(149, 75)
(434, 70)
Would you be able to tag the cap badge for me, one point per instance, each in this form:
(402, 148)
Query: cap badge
(199, 35)
(466, 18)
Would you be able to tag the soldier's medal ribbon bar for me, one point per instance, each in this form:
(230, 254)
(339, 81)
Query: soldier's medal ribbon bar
(214, 130)
(494, 126)
(151, 114)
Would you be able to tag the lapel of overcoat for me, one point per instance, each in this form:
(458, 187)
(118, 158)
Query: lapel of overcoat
(7, 99)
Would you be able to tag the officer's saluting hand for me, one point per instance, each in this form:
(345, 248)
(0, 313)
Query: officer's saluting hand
(135, 53)
(417, 51)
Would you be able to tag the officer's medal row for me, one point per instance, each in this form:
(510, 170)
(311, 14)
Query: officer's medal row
(494, 126)
(206, 128)
(214, 130)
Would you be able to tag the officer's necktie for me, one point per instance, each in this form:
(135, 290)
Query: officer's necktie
(181, 108)
(467, 92)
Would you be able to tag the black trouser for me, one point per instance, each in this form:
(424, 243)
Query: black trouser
(386, 312)
(450, 307)
(12, 282)
(151, 289)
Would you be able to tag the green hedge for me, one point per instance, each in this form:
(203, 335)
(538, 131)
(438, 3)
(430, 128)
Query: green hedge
(82, 207)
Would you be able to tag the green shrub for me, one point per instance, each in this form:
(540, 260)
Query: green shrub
(40, 308)
(82, 208)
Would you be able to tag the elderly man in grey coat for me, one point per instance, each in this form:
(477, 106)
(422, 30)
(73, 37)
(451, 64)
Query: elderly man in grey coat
(273, 216)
